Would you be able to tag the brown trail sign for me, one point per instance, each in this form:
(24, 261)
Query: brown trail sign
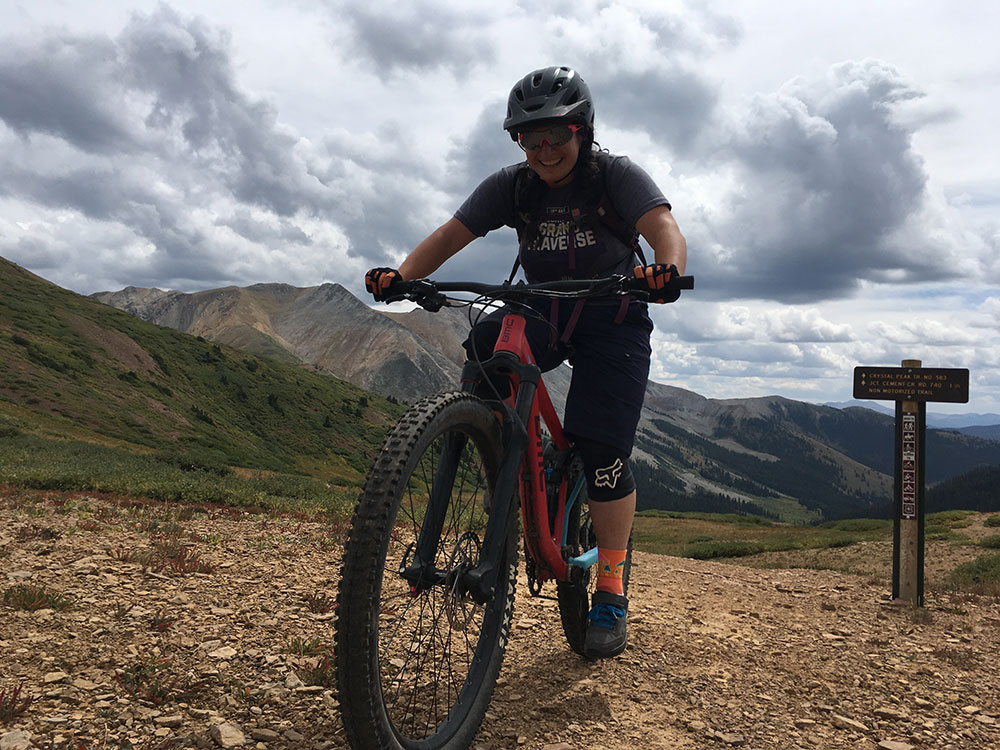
(910, 386)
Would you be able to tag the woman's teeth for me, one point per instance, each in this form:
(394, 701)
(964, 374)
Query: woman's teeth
(551, 163)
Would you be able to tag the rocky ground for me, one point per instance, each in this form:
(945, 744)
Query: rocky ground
(204, 629)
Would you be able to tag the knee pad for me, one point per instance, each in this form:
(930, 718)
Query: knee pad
(609, 476)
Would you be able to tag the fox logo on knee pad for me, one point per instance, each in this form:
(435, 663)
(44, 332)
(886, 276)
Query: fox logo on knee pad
(608, 477)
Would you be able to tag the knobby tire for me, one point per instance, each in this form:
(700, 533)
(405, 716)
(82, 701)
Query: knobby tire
(417, 670)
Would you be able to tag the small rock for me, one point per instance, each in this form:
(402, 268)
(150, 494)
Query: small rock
(292, 681)
(52, 677)
(890, 713)
(226, 652)
(169, 721)
(264, 735)
(804, 723)
(842, 722)
(227, 735)
(558, 746)
(971, 710)
(292, 736)
(18, 739)
(893, 745)
(733, 740)
(83, 684)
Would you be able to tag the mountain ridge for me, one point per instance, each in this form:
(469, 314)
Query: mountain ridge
(74, 369)
(769, 455)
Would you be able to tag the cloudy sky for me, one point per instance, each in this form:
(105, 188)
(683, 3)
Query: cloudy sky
(833, 166)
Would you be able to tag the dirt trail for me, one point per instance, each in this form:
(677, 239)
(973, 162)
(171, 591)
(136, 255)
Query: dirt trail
(719, 656)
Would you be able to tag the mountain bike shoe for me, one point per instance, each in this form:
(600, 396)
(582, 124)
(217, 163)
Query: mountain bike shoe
(606, 636)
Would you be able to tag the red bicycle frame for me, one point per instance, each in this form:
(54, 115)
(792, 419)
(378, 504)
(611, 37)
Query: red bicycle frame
(544, 541)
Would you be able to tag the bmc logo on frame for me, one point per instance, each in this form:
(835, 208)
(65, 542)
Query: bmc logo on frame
(508, 329)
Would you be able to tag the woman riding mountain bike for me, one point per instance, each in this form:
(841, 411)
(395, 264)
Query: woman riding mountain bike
(577, 211)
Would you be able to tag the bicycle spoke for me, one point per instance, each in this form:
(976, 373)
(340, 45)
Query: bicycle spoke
(425, 656)
(437, 651)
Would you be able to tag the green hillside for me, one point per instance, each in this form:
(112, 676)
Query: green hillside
(73, 369)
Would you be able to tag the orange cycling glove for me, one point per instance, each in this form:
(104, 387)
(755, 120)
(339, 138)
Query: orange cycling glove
(380, 281)
(658, 277)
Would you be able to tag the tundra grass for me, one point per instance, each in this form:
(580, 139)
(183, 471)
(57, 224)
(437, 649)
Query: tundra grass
(704, 536)
(37, 463)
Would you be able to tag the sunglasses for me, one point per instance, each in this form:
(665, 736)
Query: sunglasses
(557, 135)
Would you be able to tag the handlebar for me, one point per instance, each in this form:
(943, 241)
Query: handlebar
(432, 295)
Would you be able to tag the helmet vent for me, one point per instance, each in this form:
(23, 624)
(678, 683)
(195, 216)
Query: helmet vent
(548, 94)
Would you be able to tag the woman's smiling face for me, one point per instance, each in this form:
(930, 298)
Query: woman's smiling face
(554, 164)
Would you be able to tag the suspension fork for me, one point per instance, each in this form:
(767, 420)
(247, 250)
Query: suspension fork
(420, 571)
(479, 582)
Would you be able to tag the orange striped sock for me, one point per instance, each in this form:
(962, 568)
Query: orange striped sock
(610, 567)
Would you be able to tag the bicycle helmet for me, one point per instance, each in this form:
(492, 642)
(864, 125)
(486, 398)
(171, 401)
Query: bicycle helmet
(554, 93)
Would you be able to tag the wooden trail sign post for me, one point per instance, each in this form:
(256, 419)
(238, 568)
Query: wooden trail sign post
(910, 386)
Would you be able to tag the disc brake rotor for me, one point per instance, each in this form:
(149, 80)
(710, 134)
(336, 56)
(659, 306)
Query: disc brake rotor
(459, 605)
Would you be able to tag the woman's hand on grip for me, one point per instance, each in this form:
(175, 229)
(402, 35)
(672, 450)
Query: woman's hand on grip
(380, 282)
(657, 277)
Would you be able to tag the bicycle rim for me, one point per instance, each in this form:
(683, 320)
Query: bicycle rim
(417, 669)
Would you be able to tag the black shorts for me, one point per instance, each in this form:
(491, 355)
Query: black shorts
(610, 363)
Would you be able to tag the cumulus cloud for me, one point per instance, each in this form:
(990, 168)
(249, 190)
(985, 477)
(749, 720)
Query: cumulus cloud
(805, 325)
(42, 91)
(150, 134)
(829, 182)
(640, 67)
(711, 322)
(400, 38)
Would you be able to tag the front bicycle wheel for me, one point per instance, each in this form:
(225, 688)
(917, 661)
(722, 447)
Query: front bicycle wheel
(574, 596)
(417, 665)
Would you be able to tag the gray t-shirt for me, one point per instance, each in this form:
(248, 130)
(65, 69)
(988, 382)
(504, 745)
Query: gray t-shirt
(564, 247)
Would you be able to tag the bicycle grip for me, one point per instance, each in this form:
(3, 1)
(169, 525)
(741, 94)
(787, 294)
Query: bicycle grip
(676, 282)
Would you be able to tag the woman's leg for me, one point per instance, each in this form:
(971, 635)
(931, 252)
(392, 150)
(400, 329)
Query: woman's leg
(613, 521)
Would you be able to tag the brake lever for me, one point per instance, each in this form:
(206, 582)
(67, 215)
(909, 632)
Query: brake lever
(425, 293)
(433, 303)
